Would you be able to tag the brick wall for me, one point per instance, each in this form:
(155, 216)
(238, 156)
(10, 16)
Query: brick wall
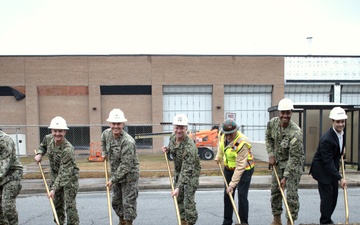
(69, 86)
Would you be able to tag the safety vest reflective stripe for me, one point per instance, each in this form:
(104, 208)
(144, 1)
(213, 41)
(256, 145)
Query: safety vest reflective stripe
(250, 163)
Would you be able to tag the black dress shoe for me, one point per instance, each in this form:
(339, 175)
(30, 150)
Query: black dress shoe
(331, 222)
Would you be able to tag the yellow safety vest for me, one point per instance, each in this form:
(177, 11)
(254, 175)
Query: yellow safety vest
(231, 151)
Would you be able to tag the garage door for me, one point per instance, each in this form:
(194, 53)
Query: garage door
(308, 93)
(350, 94)
(194, 100)
(249, 104)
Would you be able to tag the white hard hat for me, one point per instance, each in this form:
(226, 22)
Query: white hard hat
(58, 123)
(116, 116)
(181, 120)
(285, 104)
(338, 113)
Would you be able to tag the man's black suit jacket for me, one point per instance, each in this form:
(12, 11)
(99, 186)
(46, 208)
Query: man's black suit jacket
(325, 165)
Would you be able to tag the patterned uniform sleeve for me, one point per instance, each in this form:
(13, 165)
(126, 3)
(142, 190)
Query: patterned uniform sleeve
(296, 154)
(104, 152)
(128, 154)
(7, 146)
(188, 165)
(43, 146)
(269, 140)
(66, 170)
(241, 160)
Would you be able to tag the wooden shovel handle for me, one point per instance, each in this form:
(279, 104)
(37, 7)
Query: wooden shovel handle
(172, 188)
(345, 192)
(283, 196)
(230, 195)
(108, 192)
(48, 193)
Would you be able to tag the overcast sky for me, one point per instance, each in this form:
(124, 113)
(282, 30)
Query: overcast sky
(200, 27)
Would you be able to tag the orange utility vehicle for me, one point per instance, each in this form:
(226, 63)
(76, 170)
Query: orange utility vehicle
(205, 141)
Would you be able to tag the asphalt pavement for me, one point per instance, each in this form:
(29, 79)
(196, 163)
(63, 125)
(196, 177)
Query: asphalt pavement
(257, 182)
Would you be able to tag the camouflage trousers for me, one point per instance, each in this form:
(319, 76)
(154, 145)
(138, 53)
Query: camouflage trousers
(65, 200)
(8, 193)
(124, 199)
(291, 192)
(186, 201)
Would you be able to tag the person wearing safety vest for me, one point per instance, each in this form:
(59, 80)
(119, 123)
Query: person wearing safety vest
(235, 150)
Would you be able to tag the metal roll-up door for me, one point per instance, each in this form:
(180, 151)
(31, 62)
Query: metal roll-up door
(249, 104)
(193, 100)
(308, 93)
(350, 94)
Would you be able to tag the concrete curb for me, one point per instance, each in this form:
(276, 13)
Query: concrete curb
(167, 187)
(206, 182)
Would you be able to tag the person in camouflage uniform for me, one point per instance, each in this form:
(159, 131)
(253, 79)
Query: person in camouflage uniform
(64, 173)
(187, 169)
(120, 149)
(11, 172)
(284, 144)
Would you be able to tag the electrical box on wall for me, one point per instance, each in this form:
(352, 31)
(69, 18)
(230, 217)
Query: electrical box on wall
(20, 143)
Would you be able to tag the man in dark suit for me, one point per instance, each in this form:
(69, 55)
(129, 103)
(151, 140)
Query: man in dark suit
(325, 164)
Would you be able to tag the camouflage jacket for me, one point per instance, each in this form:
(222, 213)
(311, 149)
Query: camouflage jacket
(63, 168)
(10, 167)
(286, 145)
(186, 160)
(122, 155)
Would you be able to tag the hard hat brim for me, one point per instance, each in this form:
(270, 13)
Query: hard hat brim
(231, 131)
(116, 121)
(339, 118)
(58, 128)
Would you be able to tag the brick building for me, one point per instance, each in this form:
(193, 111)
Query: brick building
(148, 88)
